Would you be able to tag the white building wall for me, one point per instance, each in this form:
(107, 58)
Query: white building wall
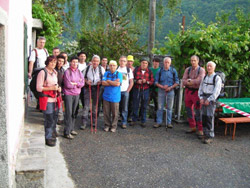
(20, 11)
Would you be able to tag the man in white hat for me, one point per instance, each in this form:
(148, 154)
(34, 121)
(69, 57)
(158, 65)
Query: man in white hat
(111, 81)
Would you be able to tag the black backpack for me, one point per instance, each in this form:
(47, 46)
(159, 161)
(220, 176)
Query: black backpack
(223, 79)
(34, 81)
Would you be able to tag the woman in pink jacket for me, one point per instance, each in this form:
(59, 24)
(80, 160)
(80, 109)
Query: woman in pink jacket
(73, 82)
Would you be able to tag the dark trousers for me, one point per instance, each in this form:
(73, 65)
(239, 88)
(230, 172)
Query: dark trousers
(153, 96)
(82, 101)
(130, 103)
(50, 117)
(71, 103)
(140, 97)
(208, 119)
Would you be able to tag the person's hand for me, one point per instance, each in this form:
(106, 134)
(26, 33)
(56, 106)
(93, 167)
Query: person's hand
(202, 101)
(139, 81)
(59, 89)
(189, 82)
(73, 83)
(99, 83)
(144, 81)
(168, 89)
(89, 82)
(29, 75)
(206, 103)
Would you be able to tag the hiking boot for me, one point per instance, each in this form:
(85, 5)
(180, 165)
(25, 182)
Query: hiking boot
(191, 130)
(170, 126)
(54, 134)
(208, 141)
(74, 133)
(50, 142)
(83, 127)
(157, 125)
(68, 136)
(124, 126)
(113, 130)
(143, 125)
(200, 134)
(106, 129)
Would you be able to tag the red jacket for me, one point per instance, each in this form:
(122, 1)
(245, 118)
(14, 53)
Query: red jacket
(44, 100)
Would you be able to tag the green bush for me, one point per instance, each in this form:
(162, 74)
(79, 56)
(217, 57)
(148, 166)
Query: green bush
(225, 42)
(52, 29)
(110, 42)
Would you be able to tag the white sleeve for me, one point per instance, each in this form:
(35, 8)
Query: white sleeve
(32, 56)
(131, 75)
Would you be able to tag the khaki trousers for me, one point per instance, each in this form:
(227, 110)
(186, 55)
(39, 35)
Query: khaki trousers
(108, 109)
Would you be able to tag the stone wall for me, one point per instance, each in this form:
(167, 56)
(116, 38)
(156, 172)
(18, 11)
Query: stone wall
(4, 178)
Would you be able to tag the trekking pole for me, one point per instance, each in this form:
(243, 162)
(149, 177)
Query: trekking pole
(90, 107)
(96, 110)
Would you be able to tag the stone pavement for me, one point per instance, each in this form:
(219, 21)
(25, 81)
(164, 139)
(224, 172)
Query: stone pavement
(39, 165)
(156, 158)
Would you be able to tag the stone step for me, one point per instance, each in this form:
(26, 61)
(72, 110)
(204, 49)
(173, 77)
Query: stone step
(31, 157)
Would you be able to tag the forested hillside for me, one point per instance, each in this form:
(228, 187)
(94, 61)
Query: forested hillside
(204, 10)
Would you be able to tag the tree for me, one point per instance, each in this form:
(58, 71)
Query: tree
(225, 42)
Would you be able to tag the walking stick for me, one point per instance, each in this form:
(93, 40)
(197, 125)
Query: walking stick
(90, 106)
(96, 108)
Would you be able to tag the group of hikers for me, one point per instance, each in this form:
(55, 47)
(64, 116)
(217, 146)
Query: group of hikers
(122, 92)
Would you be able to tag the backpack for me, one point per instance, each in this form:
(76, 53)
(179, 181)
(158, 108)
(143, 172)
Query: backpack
(87, 70)
(36, 59)
(34, 81)
(223, 79)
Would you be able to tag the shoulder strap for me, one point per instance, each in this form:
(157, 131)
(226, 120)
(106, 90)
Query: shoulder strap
(198, 72)
(100, 71)
(173, 72)
(128, 71)
(214, 79)
(86, 72)
(46, 51)
(159, 75)
(189, 70)
(36, 52)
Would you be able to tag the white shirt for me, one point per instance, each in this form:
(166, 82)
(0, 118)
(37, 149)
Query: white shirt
(41, 57)
(82, 66)
(94, 74)
(125, 77)
(66, 66)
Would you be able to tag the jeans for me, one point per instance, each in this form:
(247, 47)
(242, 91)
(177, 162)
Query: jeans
(71, 102)
(124, 106)
(162, 98)
(50, 117)
(140, 96)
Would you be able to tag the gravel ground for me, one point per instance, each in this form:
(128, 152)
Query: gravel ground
(152, 158)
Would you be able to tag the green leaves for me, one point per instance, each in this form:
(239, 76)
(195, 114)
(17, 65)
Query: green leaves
(52, 28)
(226, 44)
